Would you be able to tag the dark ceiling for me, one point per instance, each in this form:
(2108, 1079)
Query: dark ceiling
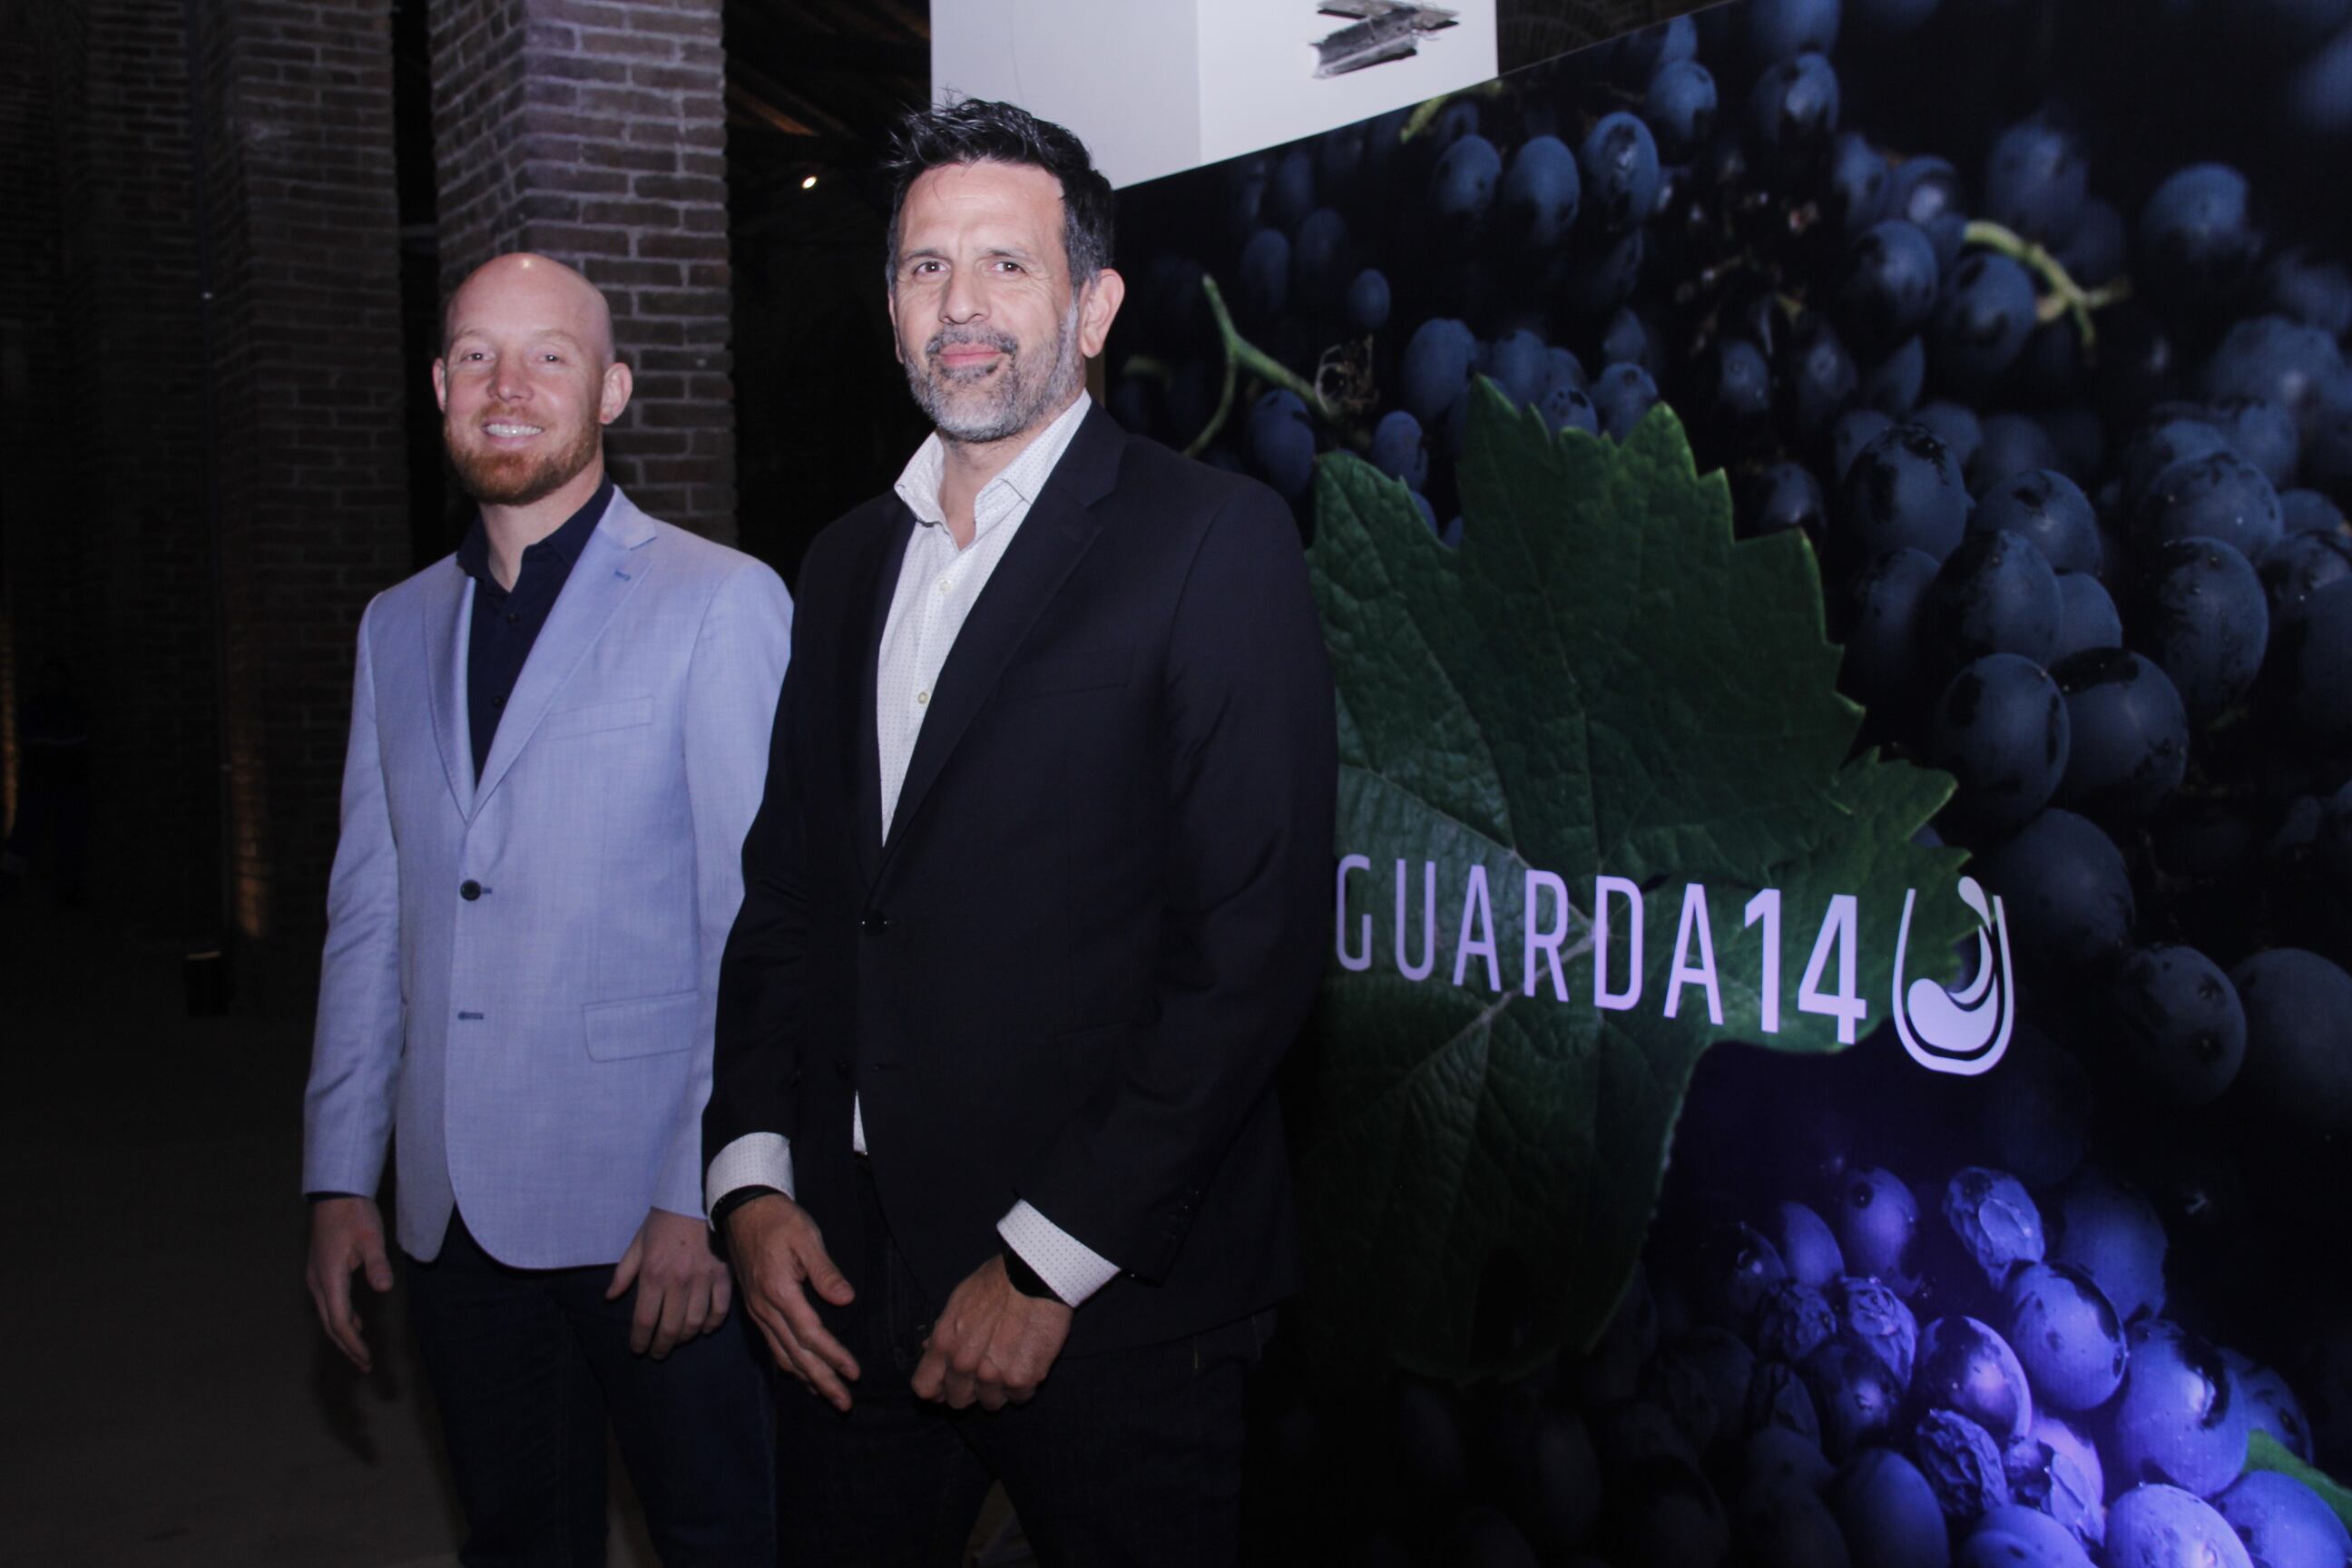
(813, 88)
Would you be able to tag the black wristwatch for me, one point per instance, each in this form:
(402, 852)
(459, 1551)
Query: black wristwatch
(1026, 1279)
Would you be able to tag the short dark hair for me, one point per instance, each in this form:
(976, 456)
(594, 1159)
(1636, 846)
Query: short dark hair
(980, 130)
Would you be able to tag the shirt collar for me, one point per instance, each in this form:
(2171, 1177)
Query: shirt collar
(1025, 476)
(568, 541)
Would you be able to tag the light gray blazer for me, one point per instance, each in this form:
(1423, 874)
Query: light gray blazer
(543, 1048)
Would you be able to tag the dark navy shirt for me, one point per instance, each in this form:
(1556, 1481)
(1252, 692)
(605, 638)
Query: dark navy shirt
(506, 620)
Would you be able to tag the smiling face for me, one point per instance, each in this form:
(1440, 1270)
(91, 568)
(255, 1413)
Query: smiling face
(526, 380)
(992, 331)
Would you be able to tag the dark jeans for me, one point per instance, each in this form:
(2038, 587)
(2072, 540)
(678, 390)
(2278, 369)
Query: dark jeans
(1129, 1457)
(529, 1364)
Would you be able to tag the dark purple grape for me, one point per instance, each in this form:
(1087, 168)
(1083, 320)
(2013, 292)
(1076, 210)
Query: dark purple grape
(2183, 1033)
(2066, 1335)
(2176, 435)
(1735, 1267)
(1542, 191)
(2264, 435)
(1621, 395)
(1893, 386)
(1680, 107)
(1315, 254)
(2065, 889)
(1887, 290)
(2314, 657)
(2200, 613)
(1290, 189)
(2063, 1437)
(2307, 286)
(1630, 339)
(1281, 444)
(1785, 496)
(1463, 187)
(1619, 160)
(1793, 112)
(2270, 1404)
(2283, 1523)
(1552, 1479)
(2156, 1526)
(1787, 1525)
(1986, 309)
(1435, 368)
(2196, 239)
(1776, 1453)
(2297, 1004)
(2048, 508)
(1783, 29)
(1735, 389)
(1995, 1219)
(2292, 364)
(1854, 1393)
(2127, 734)
(1890, 1514)
(1855, 185)
(1265, 275)
(1520, 364)
(1817, 378)
(1966, 1365)
(1807, 1245)
(1962, 1464)
(1927, 192)
(2111, 1233)
(2000, 728)
(1903, 491)
(1994, 593)
(2178, 1421)
(2298, 567)
(2016, 1536)
(1398, 449)
(1368, 300)
(2035, 180)
(1878, 1227)
(2218, 495)
(1610, 1371)
(1638, 56)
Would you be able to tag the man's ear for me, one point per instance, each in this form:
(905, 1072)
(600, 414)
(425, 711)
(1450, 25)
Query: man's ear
(890, 303)
(1097, 304)
(618, 384)
(441, 385)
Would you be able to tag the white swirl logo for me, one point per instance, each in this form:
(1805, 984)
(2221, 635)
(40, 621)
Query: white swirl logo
(1964, 1031)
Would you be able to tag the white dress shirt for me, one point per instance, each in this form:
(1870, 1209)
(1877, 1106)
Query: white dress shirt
(938, 586)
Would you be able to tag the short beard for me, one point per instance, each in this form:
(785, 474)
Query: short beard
(519, 478)
(1023, 392)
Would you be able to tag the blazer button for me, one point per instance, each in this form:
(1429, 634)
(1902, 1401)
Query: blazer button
(876, 920)
(469, 890)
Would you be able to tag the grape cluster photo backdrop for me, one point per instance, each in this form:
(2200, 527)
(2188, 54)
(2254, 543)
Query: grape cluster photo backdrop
(1797, 457)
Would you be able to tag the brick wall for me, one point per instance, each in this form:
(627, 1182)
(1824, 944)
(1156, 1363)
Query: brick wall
(303, 228)
(594, 132)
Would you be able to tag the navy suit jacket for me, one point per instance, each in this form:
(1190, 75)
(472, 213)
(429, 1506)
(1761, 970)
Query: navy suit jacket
(1070, 974)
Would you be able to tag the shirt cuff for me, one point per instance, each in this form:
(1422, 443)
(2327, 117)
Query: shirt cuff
(1070, 1268)
(754, 1160)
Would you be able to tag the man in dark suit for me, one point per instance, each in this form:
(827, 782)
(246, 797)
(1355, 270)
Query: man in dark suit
(1034, 905)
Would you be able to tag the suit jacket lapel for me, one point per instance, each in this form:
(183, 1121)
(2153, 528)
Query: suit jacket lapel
(610, 564)
(1052, 538)
(448, 622)
(873, 587)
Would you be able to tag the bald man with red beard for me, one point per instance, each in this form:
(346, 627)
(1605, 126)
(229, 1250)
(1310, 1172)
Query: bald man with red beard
(558, 741)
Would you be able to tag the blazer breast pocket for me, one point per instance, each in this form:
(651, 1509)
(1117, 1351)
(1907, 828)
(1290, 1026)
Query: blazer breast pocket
(626, 713)
(642, 1025)
(1086, 669)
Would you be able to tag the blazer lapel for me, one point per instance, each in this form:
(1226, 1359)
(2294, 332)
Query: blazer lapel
(448, 622)
(877, 577)
(1052, 538)
(611, 565)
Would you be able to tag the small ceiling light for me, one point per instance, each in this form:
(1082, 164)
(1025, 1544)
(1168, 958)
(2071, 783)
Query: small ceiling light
(809, 184)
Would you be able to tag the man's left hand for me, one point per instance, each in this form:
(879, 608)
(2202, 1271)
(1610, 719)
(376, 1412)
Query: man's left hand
(683, 1287)
(993, 1345)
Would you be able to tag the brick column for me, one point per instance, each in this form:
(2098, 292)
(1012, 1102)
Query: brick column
(135, 393)
(594, 132)
(309, 397)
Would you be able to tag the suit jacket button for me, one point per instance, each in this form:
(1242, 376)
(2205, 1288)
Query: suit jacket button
(469, 890)
(876, 920)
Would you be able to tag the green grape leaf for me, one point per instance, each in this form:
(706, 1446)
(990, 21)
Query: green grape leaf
(1599, 681)
(2265, 1452)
